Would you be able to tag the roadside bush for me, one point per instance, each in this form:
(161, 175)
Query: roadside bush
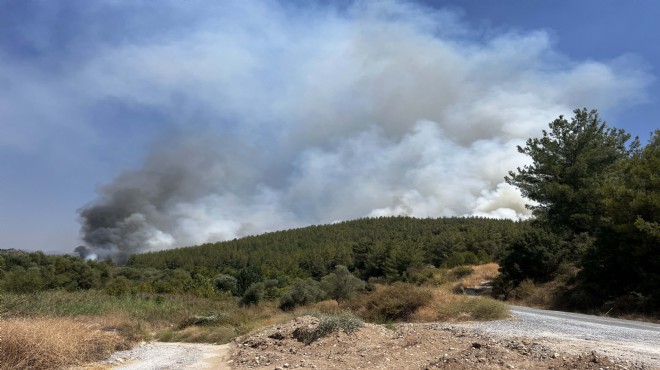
(536, 255)
(396, 302)
(525, 289)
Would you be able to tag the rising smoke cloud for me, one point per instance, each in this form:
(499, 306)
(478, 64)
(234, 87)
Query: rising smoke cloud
(287, 117)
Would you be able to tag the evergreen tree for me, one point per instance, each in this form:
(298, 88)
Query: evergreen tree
(626, 255)
(570, 164)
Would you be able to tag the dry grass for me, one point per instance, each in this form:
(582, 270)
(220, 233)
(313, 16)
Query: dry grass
(198, 334)
(52, 343)
(481, 274)
(446, 306)
(435, 301)
(467, 308)
(327, 306)
(429, 312)
(387, 303)
(532, 295)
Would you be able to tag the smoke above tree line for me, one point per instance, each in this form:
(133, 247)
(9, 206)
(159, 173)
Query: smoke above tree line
(290, 116)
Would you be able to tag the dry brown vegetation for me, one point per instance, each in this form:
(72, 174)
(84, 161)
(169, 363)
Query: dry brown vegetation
(51, 343)
(480, 274)
(434, 301)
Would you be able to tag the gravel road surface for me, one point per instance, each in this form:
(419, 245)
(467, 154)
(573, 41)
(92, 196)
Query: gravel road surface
(624, 339)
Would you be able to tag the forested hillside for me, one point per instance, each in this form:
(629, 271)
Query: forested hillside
(391, 249)
(370, 247)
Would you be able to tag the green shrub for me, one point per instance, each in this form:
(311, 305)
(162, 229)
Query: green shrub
(396, 302)
(460, 272)
(456, 259)
(271, 289)
(302, 292)
(341, 284)
(119, 285)
(470, 258)
(248, 276)
(225, 283)
(483, 256)
(253, 294)
(21, 280)
(536, 255)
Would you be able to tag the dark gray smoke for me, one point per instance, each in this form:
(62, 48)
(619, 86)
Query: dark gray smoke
(383, 109)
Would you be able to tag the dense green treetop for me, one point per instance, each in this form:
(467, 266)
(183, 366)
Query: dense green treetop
(570, 164)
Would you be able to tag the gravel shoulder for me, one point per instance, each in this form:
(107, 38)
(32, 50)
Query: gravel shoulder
(624, 340)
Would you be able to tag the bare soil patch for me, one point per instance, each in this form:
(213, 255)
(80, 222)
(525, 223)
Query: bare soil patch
(407, 346)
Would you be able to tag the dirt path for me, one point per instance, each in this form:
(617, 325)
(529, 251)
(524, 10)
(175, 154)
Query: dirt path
(172, 356)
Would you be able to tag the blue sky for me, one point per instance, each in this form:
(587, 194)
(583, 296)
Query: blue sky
(164, 124)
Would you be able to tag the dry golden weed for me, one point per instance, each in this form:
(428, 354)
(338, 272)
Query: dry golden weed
(327, 306)
(51, 343)
(447, 306)
(481, 274)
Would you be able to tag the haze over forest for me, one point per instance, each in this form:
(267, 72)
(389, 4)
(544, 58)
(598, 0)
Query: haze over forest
(235, 119)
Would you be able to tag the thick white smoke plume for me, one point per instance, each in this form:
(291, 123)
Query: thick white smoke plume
(290, 117)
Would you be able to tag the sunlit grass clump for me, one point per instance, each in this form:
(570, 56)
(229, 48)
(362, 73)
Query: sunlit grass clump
(52, 343)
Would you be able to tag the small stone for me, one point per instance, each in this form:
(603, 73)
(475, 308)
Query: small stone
(286, 366)
(555, 355)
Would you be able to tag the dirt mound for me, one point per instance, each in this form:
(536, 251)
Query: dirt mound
(405, 346)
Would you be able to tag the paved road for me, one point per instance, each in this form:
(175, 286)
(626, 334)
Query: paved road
(594, 325)
(634, 341)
